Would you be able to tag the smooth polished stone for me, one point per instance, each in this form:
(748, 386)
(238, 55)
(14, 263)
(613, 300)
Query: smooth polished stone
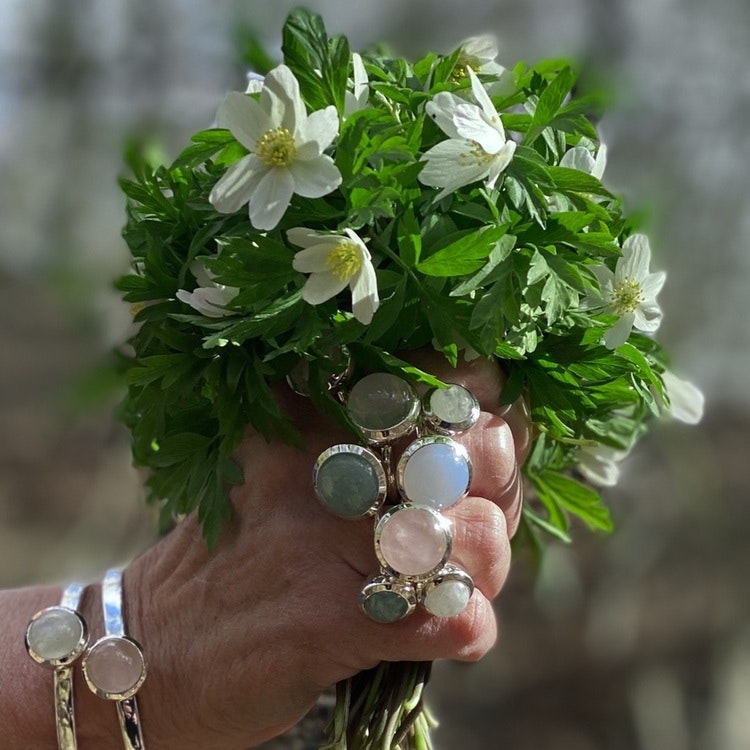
(454, 406)
(381, 401)
(385, 606)
(413, 541)
(55, 634)
(436, 474)
(114, 665)
(347, 484)
(447, 598)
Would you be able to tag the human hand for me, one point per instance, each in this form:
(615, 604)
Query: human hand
(242, 640)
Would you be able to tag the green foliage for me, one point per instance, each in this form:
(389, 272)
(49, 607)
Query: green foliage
(503, 271)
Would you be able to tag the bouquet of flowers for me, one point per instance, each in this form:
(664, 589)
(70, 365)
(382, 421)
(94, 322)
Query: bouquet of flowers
(368, 204)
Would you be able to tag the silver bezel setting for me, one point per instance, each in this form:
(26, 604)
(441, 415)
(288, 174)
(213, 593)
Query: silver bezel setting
(420, 443)
(390, 584)
(448, 573)
(372, 460)
(72, 655)
(443, 524)
(388, 434)
(104, 693)
(443, 426)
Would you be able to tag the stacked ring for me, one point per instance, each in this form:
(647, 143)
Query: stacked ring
(412, 538)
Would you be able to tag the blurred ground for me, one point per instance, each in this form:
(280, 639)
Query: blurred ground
(640, 641)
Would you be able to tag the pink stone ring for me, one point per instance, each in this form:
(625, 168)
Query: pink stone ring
(114, 667)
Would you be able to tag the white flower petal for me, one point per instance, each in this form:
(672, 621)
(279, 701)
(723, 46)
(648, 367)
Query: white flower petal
(470, 125)
(314, 259)
(635, 259)
(441, 109)
(500, 163)
(254, 83)
(600, 162)
(320, 128)
(484, 100)
(281, 99)
(606, 280)
(365, 300)
(652, 284)
(647, 317)
(244, 117)
(270, 199)
(483, 47)
(304, 237)
(450, 165)
(209, 301)
(237, 184)
(320, 287)
(686, 401)
(579, 158)
(618, 334)
(316, 177)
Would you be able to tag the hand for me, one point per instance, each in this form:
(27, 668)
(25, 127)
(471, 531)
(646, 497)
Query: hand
(242, 640)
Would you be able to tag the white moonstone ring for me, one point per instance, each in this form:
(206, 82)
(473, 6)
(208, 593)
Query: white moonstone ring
(55, 638)
(114, 667)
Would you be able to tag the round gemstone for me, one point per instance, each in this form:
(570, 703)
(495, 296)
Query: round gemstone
(437, 473)
(347, 484)
(447, 598)
(55, 634)
(452, 408)
(381, 402)
(114, 666)
(413, 540)
(385, 606)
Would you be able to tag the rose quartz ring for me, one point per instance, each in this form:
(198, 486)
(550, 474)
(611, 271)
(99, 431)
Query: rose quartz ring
(412, 538)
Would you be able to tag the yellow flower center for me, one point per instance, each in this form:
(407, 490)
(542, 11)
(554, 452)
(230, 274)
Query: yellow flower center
(276, 147)
(626, 296)
(345, 260)
(461, 68)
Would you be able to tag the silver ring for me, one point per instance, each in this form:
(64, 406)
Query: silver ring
(448, 592)
(440, 477)
(114, 667)
(386, 598)
(413, 541)
(350, 481)
(450, 410)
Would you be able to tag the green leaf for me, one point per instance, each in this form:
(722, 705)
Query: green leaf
(550, 101)
(465, 255)
(573, 180)
(575, 498)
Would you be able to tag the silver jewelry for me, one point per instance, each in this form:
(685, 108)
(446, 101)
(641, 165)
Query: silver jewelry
(413, 539)
(55, 637)
(114, 667)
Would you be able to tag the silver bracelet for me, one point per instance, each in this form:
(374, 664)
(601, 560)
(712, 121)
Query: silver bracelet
(114, 667)
(55, 638)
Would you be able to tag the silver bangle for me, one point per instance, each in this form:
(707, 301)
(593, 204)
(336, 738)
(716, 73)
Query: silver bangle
(114, 667)
(55, 637)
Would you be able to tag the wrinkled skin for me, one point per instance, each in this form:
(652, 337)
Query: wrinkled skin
(242, 640)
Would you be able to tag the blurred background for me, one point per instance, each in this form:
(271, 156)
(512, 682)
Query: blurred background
(640, 641)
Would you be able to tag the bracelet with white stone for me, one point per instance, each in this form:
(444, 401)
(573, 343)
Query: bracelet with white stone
(114, 667)
(55, 638)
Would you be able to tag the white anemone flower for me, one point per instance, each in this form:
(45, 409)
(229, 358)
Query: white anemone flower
(686, 401)
(209, 298)
(357, 99)
(335, 262)
(600, 463)
(580, 158)
(476, 149)
(478, 53)
(286, 150)
(630, 292)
